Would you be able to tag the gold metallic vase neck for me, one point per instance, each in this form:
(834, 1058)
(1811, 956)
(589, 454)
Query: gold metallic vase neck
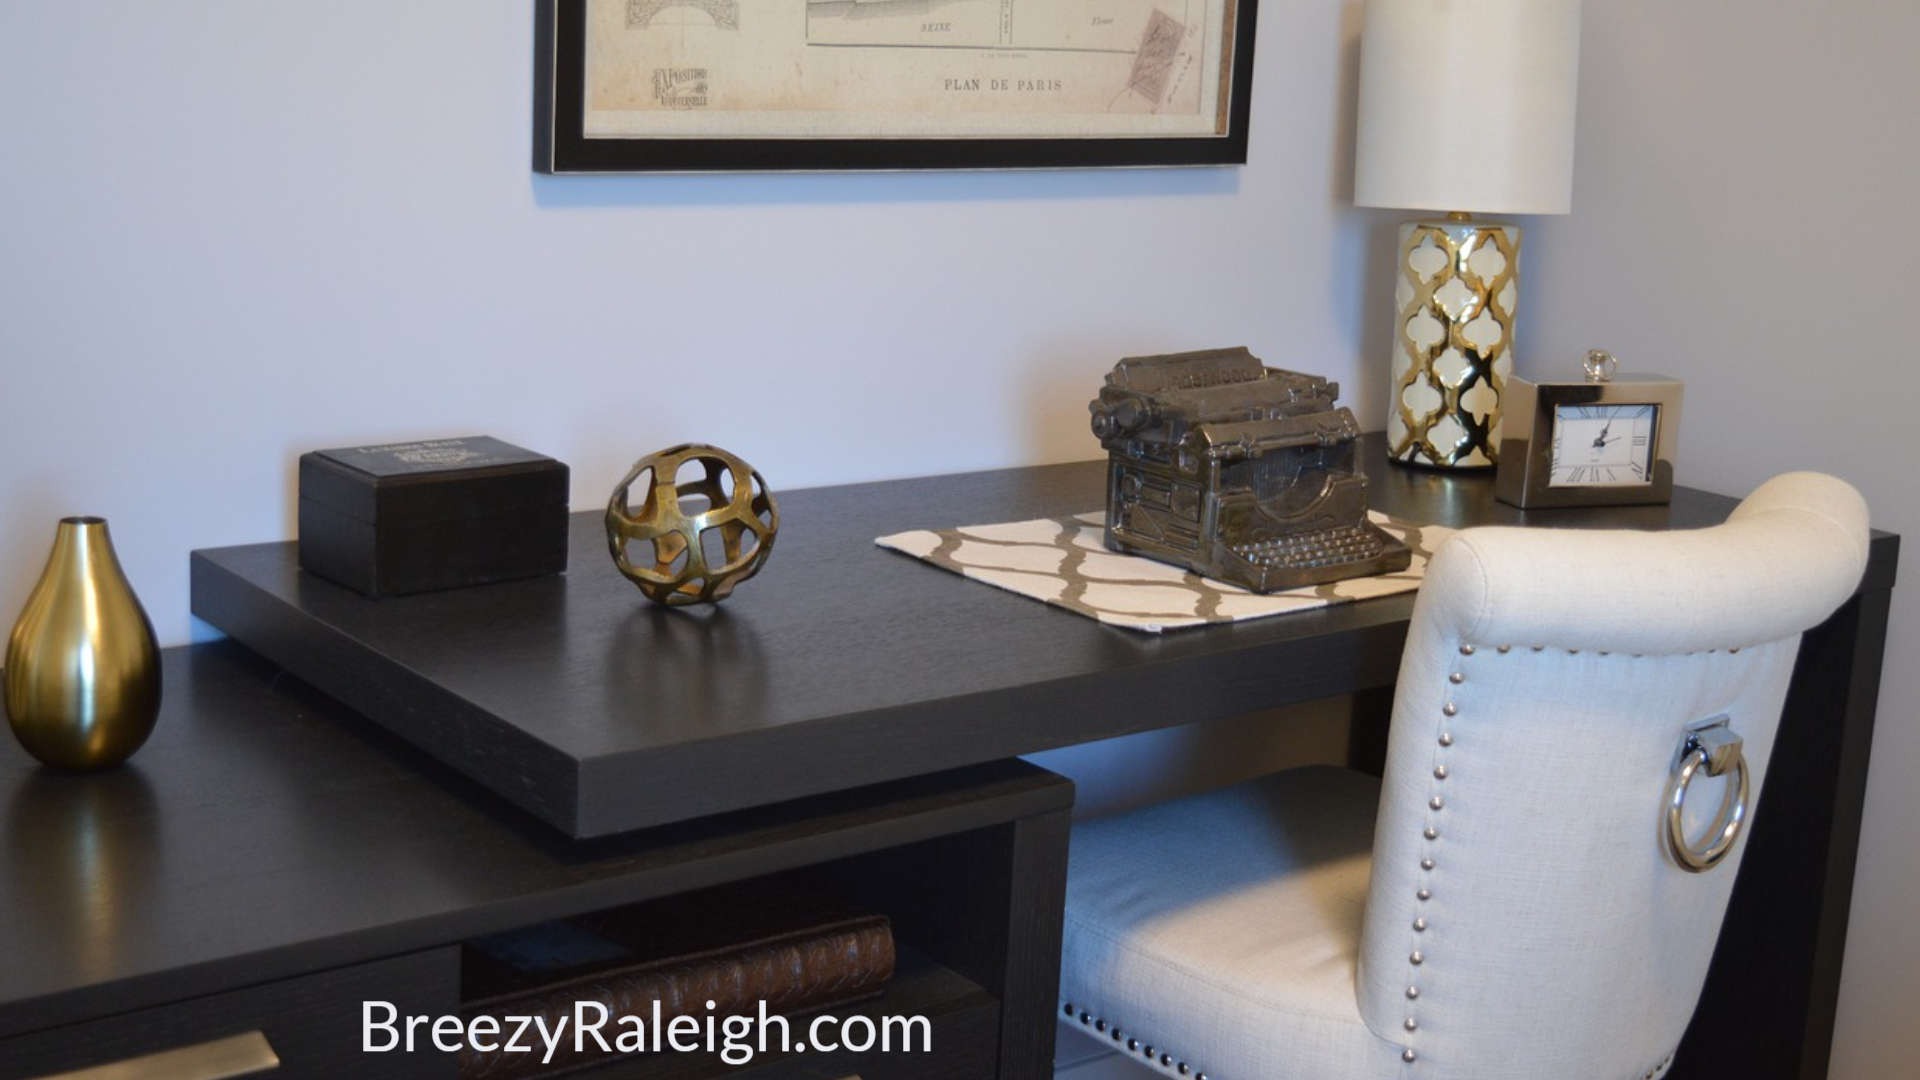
(84, 544)
(83, 536)
(1459, 217)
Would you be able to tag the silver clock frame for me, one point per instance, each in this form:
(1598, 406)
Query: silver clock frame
(1526, 445)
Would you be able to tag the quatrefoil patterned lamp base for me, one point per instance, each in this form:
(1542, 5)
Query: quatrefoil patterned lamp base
(1453, 332)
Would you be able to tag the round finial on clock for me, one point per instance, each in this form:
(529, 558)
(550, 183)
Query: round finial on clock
(1600, 365)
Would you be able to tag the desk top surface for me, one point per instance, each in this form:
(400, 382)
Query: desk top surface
(841, 664)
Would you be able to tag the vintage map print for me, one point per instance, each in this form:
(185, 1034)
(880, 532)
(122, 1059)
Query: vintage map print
(1042, 69)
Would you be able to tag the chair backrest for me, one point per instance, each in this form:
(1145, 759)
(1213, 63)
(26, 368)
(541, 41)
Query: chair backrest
(1526, 919)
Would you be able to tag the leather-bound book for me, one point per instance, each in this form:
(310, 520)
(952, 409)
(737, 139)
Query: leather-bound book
(726, 948)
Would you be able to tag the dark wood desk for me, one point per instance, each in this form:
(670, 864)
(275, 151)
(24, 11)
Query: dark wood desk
(269, 861)
(841, 665)
(846, 666)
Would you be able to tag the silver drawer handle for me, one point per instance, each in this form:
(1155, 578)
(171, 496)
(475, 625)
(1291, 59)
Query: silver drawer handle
(1716, 748)
(236, 1055)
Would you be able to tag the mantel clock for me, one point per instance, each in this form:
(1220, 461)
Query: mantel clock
(1606, 440)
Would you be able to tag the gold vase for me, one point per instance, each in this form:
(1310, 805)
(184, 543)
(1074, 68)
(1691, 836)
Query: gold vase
(82, 669)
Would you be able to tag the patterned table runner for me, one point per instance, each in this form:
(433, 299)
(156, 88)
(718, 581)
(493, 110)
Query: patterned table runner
(1064, 561)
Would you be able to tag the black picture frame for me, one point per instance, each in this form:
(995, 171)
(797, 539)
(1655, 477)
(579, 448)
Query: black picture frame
(560, 147)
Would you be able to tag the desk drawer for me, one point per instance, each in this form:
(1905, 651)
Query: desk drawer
(312, 1023)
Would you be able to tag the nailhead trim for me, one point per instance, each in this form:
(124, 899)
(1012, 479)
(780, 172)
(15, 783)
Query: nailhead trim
(1435, 804)
(1099, 1023)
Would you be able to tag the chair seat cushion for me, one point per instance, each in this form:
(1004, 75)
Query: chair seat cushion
(1222, 930)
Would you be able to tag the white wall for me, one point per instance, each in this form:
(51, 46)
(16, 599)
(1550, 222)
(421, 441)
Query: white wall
(1742, 220)
(237, 229)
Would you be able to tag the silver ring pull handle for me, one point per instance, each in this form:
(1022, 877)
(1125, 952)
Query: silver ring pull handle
(1715, 748)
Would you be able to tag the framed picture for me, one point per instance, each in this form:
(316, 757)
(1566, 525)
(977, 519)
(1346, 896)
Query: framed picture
(715, 85)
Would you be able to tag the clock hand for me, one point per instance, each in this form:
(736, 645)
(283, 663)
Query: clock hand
(1600, 441)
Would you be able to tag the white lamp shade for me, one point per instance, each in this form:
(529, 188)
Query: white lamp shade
(1468, 105)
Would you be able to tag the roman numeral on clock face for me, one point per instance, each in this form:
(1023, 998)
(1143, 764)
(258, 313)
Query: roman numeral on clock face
(1602, 445)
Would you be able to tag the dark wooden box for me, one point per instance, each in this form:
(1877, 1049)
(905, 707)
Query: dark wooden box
(437, 514)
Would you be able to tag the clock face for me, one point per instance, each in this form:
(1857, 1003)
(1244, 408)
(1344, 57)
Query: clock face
(1603, 445)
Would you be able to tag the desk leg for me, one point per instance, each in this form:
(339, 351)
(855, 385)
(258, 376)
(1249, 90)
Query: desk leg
(1768, 1007)
(989, 904)
(1036, 907)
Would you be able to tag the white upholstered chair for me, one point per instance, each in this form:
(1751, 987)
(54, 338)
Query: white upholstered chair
(1506, 904)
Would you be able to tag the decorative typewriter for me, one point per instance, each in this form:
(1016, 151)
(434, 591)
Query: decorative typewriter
(1237, 471)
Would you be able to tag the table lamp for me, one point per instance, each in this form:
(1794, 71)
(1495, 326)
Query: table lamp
(1466, 106)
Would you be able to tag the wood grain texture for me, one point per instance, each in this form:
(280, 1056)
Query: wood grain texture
(265, 832)
(312, 1022)
(1035, 911)
(840, 665)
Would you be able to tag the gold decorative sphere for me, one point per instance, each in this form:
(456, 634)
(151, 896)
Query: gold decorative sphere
(691, 542)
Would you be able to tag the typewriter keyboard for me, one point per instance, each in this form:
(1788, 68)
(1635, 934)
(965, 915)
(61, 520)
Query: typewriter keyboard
(1328, 547)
